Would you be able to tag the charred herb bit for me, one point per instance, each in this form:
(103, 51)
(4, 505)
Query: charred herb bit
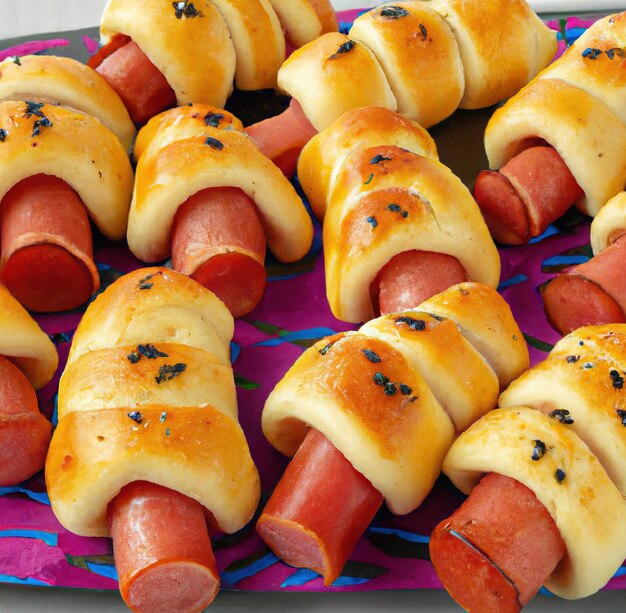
(393, 12)
(369, 179)
(213, 119)
(396, 208)
(186, 9)
(611, 53)
(214, 143)
(377, 159)
(167, 432)
(345, 48)
(136, 416)
(562, 415)
(423, 31)
(380, 379)
(18, 61)
(371, 356)
(405, 390)
(134, 357)
(617, 379)
(572, 359)
(151, 352)
(44, 122)
(34, 108)
(163, 416)
(143, 283)
(412, 323)
(560, 475)
(3, 135)
(325, 348)
(621, 413)
(588, 365)
(372, 221)
(592, 53)
(168, 371)
(539, 450)
(390, 389)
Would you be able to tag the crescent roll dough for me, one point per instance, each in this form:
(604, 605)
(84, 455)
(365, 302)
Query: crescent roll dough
(74, 146)
(581, 382)
(189, 156)
(609, 224)
(587, 508)
(194, 52)
(332, 75)
(63, 81)
(162, 409)
(424, 59)
(24, 342)
(576, 106)
(305, 20)
(322, 157)
(386, 201)
(369, 394)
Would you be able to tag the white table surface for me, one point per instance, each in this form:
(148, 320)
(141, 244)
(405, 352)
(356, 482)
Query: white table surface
(25, 17)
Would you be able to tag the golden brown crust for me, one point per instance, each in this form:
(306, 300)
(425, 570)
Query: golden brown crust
(305, 20)
(195, 116)
(155, 305)
(415, 46)
(588, 136)
(588, 509)
(74, 147)
(369, 392)
(322, 157)
(387, 201)
(168, 176)
(582, 380)
(24, 342)
(482, 30)
(397, 441)
(609, 224)
(159, 409)
(66, 82)
(194, 53)
(332, 75)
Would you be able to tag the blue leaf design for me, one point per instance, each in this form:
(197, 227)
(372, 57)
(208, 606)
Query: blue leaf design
(17, 489)
(49, 538)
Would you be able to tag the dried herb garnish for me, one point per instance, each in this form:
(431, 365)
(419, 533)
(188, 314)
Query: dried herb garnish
(136, 416)
(396, 208)
(143, 283)
(591, 53)
(393, 12)
(167, 432)
(412, 323)
(621, 413)
(377, 159)
(371, 356)
(214, 143)
(17, 60)
(423, 31)
(571, 359)
(324, 350)
(611, 53)
(3, 135)
(44, 122)
(560, 475)
(617, 379)
(345, 48)
(213, 119)
(369, 179)
(147, 351)
(163, 417)
(34, 108)
(562, 415)
(168, 371)
(588, 365)
(390, 389)
(380, 379)
(372, 221)
(539, 450)
(186, 9)
(405, 390)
